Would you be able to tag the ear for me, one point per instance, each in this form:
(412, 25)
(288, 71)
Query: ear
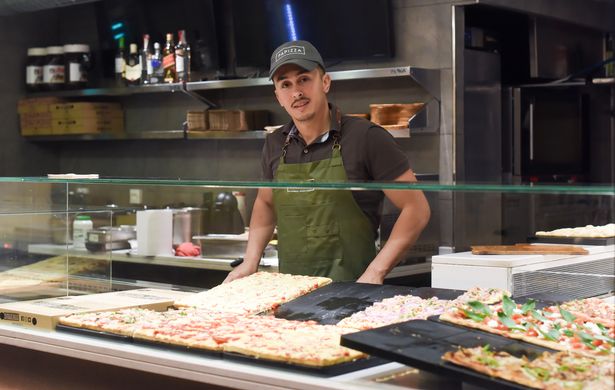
(326, 82)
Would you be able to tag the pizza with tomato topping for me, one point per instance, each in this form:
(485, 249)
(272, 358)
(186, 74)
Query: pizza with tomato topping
(409, 307)
(257, 293)
(594, 309)
(552, 327)
(122, 322)
(481, 294)
(300, 342)
(553, 371)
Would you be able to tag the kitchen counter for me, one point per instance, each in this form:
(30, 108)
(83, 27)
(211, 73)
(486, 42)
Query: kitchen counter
(189, 366)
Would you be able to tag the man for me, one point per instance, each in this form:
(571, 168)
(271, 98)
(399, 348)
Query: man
(328, 232)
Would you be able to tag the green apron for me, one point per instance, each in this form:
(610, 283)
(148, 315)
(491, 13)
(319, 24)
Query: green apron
(321, 232)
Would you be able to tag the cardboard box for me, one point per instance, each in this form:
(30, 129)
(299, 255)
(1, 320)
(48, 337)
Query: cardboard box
(84, 109)
(88, 125)
(35, 123)
(53, 116)
(197, 120)
(237, 120)
(45, 313)
(36, 105)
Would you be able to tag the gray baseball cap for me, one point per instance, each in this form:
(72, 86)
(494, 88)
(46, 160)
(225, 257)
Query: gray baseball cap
(301, 53)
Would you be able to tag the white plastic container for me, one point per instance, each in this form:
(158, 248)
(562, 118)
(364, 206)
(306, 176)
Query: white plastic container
(81, 226)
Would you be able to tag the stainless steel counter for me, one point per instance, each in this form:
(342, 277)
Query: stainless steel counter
(189, 366)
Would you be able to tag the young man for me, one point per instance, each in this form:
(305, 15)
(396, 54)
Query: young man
(328, 232)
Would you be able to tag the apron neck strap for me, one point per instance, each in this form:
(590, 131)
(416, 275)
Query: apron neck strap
(336, 135)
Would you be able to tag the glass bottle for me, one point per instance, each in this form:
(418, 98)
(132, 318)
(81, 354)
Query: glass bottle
(156, 62)
(133, 66)
(168, 61)
(182, 58)
(34, 68)
(146, 61)
(120, 63)
(53, 70)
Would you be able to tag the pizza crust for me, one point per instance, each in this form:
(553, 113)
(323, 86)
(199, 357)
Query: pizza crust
(588, 231)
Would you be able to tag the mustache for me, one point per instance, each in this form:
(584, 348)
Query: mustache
(300, 100)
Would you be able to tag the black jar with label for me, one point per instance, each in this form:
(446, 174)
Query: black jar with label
(77, 64)
(34, 68)
(53, 70)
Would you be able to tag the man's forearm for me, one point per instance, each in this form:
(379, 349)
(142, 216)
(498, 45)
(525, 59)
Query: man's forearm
(414, 216)
(406, 231)
(262, 225)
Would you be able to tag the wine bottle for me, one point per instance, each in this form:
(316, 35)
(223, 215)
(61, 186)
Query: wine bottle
(120, 63)
(168, 61)
(157, 69)
(182, 58)
(133, 66)
(146, 61)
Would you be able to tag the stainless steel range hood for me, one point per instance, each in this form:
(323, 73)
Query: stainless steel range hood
(11, 7)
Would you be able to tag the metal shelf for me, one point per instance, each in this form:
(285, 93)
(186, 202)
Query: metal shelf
(572, 83)
(222, 134)
(177, 134)
(425, 121)
(153, 135)
(427, 78)
(163, 134)
(113, 91)
(604, 80)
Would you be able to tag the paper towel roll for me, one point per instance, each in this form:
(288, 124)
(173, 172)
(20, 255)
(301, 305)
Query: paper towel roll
(155, 232)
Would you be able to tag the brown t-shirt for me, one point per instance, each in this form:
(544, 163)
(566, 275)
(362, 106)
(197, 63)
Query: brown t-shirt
(369, 153)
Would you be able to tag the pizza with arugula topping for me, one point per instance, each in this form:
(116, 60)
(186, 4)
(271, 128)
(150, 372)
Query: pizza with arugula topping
(553, 371)
(484, 295)
(592, 309)
(553, 327)
(409, 307)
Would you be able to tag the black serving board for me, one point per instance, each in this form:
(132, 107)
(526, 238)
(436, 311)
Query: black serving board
(333, 302)
(326, 371)
(421, 344)
(94, 333)
(441, 293)
(177, 348)
(329, 304)
(573, 240)
(546, 299)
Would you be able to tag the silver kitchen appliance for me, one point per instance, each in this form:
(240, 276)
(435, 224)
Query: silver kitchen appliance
(108, 238)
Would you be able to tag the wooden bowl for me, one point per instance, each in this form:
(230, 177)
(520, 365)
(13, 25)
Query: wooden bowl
(393, 114)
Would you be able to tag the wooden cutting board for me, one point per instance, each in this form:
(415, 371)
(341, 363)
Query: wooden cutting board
(527, 249)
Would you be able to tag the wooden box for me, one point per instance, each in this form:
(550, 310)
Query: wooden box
(89, 125)
(393, 115)
(45, 313)
(238, 120)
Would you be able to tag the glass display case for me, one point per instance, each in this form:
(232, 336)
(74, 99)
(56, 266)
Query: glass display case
(137, 226)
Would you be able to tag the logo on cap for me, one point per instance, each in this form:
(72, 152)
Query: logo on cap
(300, 50)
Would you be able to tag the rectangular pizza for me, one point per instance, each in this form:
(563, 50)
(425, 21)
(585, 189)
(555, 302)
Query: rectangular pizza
(552, 371)
(409, 307)
(552, 327)
(257, 293)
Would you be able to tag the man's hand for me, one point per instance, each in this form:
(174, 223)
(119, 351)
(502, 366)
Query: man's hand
(412, 219)
(242, 270)
(370, 276)
(262, 224)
